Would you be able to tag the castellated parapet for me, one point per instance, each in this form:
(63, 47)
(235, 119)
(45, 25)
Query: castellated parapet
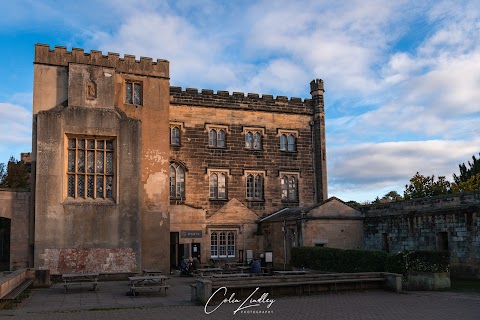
(59, 56)
(238, 100)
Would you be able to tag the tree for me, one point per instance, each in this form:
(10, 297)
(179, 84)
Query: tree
(467, 173)
(392, 196)
(421, 186)
(17, 175)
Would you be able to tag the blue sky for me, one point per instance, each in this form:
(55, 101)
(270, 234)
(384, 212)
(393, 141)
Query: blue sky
(402, 78)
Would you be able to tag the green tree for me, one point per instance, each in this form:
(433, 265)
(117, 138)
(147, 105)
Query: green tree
(467, 173)
(392, 196)
(425, 186)
(16, 176)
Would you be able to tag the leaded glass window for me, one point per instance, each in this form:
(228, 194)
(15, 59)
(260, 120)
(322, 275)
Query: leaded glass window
(287, 142)
(133, 92)
(216, 138)
(90, 168)
(177, 181)
(253, 140)
(255, 186)
(218, 185)
(175, 135)
(289, 185)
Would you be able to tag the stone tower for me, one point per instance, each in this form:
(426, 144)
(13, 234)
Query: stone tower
(319, 149)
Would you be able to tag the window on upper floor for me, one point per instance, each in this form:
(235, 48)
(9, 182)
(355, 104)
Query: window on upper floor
(133, 92)
(175, 135)
(288, 140)
(254, 185)
(90, 168)
(177, 181)
(253, 138)
(216, 135)
(218, 184)
(289, 184)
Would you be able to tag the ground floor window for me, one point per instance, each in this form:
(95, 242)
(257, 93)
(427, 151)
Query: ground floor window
(222, 244)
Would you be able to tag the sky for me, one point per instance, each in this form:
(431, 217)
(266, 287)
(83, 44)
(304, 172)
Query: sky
(401, 77)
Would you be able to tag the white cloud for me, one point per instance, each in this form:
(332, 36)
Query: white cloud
(369, 167)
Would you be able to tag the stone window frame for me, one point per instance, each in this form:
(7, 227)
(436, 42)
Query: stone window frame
(75, 175)
(210, 173)
(223, 247)
(217, 128)
(251, 191)
(288, 197)
(286, 133)
(180, 128)
(253, 132)
(133, 83)
(174, 192)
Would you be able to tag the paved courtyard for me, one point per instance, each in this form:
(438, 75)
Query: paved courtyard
(111, 302)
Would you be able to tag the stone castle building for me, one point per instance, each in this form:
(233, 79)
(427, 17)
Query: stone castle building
(132, 173)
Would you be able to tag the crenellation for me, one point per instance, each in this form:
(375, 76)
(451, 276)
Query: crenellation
(225, 99)
(59, 56)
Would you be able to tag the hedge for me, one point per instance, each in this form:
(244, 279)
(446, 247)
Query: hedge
(338, 260)
(408, 261)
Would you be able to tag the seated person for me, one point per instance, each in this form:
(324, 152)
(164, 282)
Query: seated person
(255, 267)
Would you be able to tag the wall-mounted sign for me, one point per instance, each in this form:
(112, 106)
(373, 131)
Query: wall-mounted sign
(190, 233)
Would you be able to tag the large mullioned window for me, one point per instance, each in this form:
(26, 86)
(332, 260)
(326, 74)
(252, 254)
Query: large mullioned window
(90, 168)
(222, 244)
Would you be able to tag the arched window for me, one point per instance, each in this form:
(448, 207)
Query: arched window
(291, 143)
(218, 185)
(175, 135)
(212, 138)
(249, 140)
(255, 186)
(177, 181)
(283, 142)
(253, 140)
(221, 138)
(289, 185)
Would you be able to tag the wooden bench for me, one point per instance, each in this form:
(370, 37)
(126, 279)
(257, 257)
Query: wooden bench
(148, 283)
(17, 292)
(80, 279)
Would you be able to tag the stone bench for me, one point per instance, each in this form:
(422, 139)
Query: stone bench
(292, 284)
(13, 285)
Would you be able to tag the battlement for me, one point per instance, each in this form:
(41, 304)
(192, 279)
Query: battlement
(59, 56)
(238, 100)
(316, 87)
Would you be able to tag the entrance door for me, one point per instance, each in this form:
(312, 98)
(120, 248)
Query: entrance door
(174, 259)
(196, 250)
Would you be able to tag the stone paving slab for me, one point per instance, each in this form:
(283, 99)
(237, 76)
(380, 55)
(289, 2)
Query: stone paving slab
(111, 302)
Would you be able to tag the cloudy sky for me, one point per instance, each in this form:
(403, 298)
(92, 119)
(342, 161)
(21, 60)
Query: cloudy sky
(402, 78)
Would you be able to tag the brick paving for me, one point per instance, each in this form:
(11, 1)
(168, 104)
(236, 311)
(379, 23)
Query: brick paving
(111, 302)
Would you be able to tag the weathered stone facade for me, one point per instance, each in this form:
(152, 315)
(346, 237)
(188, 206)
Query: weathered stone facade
(104, 153)
(87, 207)
(442, 223)
(15, 205)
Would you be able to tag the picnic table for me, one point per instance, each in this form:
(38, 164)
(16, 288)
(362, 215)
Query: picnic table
(76, 279)
(290, 272)
(203, 272)
(151, 272)
(243, 268)
(148, 283)
(231, 275)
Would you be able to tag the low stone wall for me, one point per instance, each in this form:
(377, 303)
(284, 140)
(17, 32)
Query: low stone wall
(427, 281)
(12, 280)
(256, 286)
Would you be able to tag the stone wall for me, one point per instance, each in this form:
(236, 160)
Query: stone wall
(15, 205)
(446, 222)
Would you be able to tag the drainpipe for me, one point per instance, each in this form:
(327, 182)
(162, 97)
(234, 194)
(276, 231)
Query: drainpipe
(284, 229)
